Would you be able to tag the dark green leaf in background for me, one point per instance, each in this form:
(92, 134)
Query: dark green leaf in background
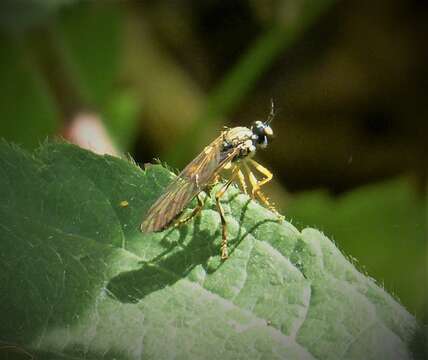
(92, 34)
(27, 111)
(18, 16)
(381, 225)
(78, 279)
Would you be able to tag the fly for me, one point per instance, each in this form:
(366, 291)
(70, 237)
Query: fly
(233, 150)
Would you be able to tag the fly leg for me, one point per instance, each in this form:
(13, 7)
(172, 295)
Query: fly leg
(257, 184)
(218, 195)
(242, 183)
(194, 212)
(263, 171)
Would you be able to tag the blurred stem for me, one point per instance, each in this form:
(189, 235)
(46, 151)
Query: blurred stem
(169, 96)
(242, 78)
(48, 55)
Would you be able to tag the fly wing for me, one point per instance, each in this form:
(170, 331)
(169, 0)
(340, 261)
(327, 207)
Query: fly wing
(193, 179)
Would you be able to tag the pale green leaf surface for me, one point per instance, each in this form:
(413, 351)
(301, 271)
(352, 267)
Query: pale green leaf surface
(382, 224)
(78, 279)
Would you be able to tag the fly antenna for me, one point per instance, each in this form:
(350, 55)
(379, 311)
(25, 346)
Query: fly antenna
(272, 112)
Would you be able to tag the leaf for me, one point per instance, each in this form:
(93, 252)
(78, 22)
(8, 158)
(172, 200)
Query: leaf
(17, 16)
(382, 225)
(78, 279)
(28, 100)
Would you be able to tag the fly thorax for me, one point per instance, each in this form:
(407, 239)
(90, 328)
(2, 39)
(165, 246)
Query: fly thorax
(248, 148)
(237, 135)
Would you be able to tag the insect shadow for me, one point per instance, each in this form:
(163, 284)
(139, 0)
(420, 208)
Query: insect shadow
(177, 260)
(173, 264)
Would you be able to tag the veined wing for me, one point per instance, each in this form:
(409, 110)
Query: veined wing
(193, 179)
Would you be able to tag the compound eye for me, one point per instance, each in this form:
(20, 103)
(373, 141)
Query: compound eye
(258, 128)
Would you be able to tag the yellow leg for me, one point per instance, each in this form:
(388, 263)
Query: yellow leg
(263, 171)
(241, 179)
(257, 184)
(194, 212)
(218, 195)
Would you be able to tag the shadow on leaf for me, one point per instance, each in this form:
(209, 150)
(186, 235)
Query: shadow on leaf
(168, 267)
(177, 261)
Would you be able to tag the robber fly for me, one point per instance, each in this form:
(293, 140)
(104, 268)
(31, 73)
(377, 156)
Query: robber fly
(233, 150)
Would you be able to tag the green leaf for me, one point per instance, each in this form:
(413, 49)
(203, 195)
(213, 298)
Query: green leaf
(78, 279)
(382, 225)
(92, 33)
(17, 16)
(24, 96)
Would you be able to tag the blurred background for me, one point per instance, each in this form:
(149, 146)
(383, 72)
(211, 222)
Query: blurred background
(159, 79)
